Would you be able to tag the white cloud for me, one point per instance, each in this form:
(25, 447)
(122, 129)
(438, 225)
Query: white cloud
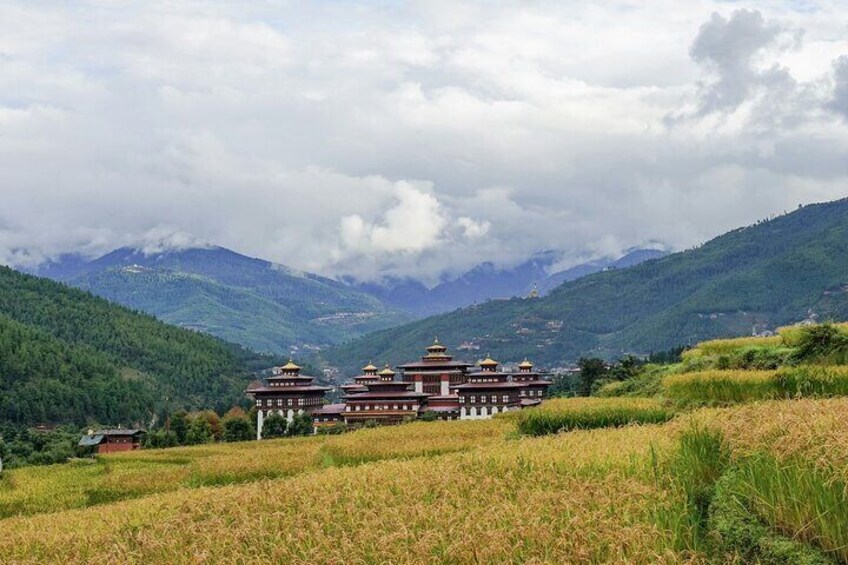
(413, 139)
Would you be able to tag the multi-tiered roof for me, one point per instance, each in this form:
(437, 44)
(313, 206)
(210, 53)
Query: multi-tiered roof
(287, 379)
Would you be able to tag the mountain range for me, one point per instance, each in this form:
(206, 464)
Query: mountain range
(256, 303)
(487, 281)
(271, 308)
(750, 280)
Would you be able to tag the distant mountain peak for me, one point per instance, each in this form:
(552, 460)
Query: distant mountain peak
(162, 240)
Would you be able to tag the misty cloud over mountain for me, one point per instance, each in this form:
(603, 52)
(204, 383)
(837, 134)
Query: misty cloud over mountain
(416, 139)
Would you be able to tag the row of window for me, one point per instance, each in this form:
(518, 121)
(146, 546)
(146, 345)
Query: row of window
(358, 407)
(483, 399)
(289, 402)
(539, 393)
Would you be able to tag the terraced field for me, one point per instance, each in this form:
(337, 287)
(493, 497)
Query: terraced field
(758, 475)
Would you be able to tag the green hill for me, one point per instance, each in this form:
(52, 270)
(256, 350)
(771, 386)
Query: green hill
(770, 274)
(255, 303)
(69, 357)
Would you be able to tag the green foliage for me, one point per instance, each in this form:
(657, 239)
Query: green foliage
(238, 429)
(738, 534)
(21, 446)
(772, 274)
(274, 426)
(68, 357)
(807, 502)
(700, 460)
(823, 343)
(160, 438)
(591, 371)
(301, 425)
(199, 431)
(646, 382)
(178, 423)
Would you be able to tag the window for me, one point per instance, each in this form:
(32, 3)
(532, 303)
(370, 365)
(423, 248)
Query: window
(259, 403)
(483, 399)
(279, 402)
(505, 399)
(290, 402)
(473, 399)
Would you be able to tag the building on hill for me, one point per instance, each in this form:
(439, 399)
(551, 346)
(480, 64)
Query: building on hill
(436, 372)
(287, 393)
(386, 401)
(488, 392)
(112, 440)
(535, 386)
(435, 387)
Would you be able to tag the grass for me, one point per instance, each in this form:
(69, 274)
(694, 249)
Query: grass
(755, 482)
(719, 387)
(129, 475)
(722, 388)
(565, 414)
(582, 497)
(732, 466)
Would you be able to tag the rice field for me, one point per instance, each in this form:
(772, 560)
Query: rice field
(464, 492)
(726, 466)
(564, 414)
(127, 475)
(722, 388)
(585, 496)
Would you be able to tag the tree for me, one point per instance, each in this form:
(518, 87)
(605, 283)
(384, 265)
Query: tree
(199, 431)
(301, 425)
(274, 426)
(237, 429)
(592, 369)
(179, 425)
(160, 439)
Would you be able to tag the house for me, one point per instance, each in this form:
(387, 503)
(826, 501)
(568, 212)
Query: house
(112, 440)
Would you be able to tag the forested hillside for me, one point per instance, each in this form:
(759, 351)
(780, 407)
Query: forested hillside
(69, 357)
(754, 278)
(258, 304)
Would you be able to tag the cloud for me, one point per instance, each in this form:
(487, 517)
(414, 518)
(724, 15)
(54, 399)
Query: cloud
(839, 102)
(414, 224)
(418, 139)
(729, 46)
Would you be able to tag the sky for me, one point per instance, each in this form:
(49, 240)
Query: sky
(375, 139)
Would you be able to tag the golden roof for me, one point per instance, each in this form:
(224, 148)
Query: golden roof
(290, 366)
(369, 367)
(387, 371)
(525, 365)
(436, 346)
(488, 362)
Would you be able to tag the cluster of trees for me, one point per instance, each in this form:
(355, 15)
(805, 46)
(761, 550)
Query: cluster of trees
(193, 428)
(593, 373)
(67, 357)
(21, 446)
